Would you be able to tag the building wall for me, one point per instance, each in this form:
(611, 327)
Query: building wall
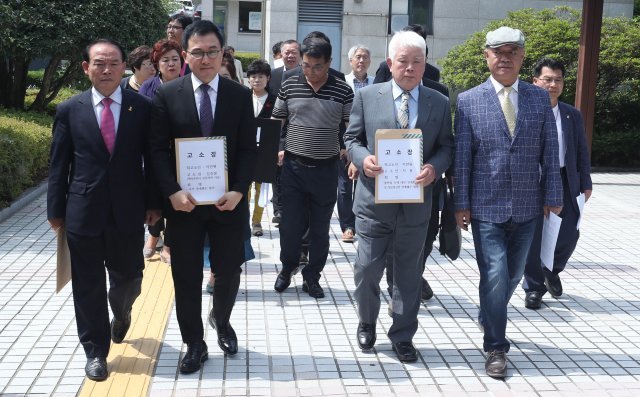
(365, 22)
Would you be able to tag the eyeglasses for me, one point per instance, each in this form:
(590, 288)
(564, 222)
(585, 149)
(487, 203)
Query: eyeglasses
(148, 64)
(548, 80)
(199, 54)
(174, 27)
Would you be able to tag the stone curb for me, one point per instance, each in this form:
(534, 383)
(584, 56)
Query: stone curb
(25, 199)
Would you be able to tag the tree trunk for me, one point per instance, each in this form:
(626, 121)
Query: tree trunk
(71, 74)
(4, 81)
(18, 87)
(49, 75)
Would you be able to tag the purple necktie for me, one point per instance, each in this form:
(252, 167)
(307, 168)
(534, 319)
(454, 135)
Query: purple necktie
(108, 125)
(206, 114)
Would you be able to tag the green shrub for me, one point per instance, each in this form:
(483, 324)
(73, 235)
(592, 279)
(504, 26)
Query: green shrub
(62, 96)
(246, 58)
(616, 149)
(556, 33)
(25, 139)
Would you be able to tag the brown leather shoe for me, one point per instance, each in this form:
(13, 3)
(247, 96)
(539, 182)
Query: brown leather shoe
(496, 364)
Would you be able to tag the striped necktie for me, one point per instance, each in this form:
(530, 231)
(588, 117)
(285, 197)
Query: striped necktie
(403, 113)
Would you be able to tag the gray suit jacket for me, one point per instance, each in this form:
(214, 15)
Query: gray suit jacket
(373, 109)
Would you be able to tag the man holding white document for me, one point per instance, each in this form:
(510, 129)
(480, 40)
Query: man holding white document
(400, 226)
(203, 105)
(575, 169)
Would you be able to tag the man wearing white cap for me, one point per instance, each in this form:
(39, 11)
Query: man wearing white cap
(506, 175)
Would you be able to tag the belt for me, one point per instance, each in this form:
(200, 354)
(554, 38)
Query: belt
(309, 162)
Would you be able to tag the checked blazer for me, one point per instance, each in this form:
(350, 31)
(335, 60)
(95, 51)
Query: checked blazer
(499, 178)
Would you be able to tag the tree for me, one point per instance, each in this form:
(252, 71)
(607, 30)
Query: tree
(556, 33)
(59, 30)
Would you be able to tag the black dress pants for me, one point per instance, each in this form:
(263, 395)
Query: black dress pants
(121, 254)
(225, 232)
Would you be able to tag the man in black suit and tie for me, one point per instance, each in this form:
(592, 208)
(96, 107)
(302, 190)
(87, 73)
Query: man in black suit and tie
(575, 169)
(291, 57)
(100, 193)
(202, 104)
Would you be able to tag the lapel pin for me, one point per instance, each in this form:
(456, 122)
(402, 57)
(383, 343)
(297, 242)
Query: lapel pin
(131, 108)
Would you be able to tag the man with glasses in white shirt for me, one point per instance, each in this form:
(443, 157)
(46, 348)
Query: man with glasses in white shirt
(575, 170)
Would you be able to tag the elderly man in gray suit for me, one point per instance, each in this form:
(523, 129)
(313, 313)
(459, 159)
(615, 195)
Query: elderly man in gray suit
(399, 228)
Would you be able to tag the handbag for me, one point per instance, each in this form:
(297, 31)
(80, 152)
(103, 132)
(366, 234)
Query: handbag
(450, 236)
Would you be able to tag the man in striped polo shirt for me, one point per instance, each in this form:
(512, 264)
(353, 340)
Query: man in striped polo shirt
(314, 103)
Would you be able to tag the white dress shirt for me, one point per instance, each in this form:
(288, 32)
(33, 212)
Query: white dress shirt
(561, 144)
(513, 96)
(116, 105)
(413, 102)
(213, 92)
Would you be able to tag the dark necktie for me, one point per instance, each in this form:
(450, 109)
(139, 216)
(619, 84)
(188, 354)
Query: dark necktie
(206, 114)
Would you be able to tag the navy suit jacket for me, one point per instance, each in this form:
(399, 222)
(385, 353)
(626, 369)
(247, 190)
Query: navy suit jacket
(499, 178)
(87, 185)
(576, 160)
(175, 115)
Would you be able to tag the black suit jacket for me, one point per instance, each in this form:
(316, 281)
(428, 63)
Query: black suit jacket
(87, 185)
(275, 82)
(267, 108)
(175, 115)
(384, 74)
(576, 160)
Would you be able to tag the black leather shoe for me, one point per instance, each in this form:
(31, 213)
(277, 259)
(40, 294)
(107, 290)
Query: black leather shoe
(313, 288)
(406, 352)
(553, 284)
(196, 354)
(119, 328)
(96, 369)
(496, 364)
(366, 336)
(282, 281)
(304, 259)
(276, 219)
(227, 339)
(533, 300)
(427, 292)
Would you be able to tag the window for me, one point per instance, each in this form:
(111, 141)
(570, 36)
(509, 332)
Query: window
(421, 12)
(250, 17)
(405, 12)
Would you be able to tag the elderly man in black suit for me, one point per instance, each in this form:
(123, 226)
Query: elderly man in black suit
(100, 193)
(202, 104)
